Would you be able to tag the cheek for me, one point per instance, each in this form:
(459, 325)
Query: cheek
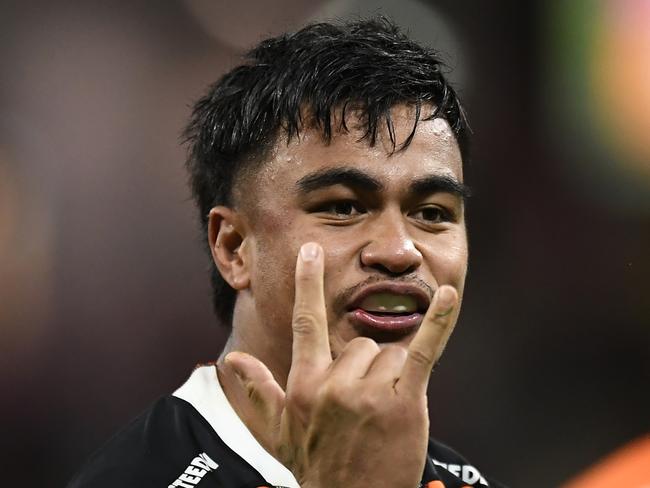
(271, 222)
(339, 273)
(273, 268)
(272, 286)
(449, 262)
(278, 238)
(338, 257)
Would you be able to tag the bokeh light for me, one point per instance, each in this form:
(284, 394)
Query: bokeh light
(599, 73)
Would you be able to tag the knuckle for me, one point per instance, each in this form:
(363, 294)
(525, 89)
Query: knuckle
(332, 394)
(422, 358)
(393, 350)
(363, 343)
(253, 394)
(370, 404)
(304, 322)
(299, 399)
(305, 277)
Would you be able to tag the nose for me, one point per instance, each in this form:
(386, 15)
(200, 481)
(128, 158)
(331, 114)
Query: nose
(391, 249)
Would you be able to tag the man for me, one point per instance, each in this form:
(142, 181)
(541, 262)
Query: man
(328, 175)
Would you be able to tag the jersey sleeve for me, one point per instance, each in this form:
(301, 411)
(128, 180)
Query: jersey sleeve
(169, 445)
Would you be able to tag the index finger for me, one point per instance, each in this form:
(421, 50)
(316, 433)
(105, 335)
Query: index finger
(311, 347)
(430, 340)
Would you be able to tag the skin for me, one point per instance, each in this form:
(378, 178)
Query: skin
(316, 393)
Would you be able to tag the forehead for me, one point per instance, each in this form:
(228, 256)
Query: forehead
(432, 150)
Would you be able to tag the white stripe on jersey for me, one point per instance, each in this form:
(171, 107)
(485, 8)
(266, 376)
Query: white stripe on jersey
(203, 391)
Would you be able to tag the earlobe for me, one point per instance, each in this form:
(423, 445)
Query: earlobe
(227, 239)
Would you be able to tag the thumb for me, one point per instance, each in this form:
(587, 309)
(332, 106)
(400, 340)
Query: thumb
(264, 393)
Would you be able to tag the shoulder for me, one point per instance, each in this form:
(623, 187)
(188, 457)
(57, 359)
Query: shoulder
(138, 455)
(450, 470)
(170, 444)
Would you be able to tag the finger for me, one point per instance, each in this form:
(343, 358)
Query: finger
(354, 361)
(429, 342)
(311, 349)
(265, 394)
(388, 364)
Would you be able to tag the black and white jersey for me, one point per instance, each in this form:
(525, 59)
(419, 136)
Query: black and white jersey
(194, 438)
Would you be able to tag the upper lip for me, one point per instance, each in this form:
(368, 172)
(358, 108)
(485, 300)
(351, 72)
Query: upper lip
(421, 297)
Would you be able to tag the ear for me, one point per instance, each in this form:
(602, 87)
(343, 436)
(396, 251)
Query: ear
(226, 235)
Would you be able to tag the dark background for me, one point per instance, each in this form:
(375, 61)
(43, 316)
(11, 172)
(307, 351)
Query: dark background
(104, 294)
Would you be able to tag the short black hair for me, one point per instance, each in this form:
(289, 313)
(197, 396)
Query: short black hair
(366, 66)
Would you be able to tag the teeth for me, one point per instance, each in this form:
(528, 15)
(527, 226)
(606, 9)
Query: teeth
(389, 303)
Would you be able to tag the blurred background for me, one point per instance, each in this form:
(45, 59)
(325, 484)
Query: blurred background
(104, 293)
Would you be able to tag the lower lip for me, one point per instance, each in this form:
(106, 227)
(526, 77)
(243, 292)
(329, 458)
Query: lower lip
(396, 323)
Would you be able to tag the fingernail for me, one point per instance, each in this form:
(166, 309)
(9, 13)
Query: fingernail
(309, 251)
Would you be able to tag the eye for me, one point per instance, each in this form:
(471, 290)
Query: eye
(431, 215)
(340, 209)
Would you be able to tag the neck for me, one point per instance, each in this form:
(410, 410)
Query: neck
(264, 345)
(261, 343)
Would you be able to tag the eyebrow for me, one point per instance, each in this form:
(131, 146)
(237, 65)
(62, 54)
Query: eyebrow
(350, 177)
(440, 184)
(358, 180)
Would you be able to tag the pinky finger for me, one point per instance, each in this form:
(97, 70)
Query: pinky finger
(430, 341)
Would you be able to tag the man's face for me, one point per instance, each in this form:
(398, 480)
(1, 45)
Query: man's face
(391, 227)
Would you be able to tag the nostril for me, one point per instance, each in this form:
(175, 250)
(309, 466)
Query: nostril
(396, 259)
(392, 272)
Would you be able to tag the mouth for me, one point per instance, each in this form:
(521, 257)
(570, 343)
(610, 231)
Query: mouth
(387, 310)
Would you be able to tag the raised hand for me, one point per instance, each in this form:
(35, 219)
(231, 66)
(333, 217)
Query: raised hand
(359, 419)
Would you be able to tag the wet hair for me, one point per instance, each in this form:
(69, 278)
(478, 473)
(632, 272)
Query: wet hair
(297, 81)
